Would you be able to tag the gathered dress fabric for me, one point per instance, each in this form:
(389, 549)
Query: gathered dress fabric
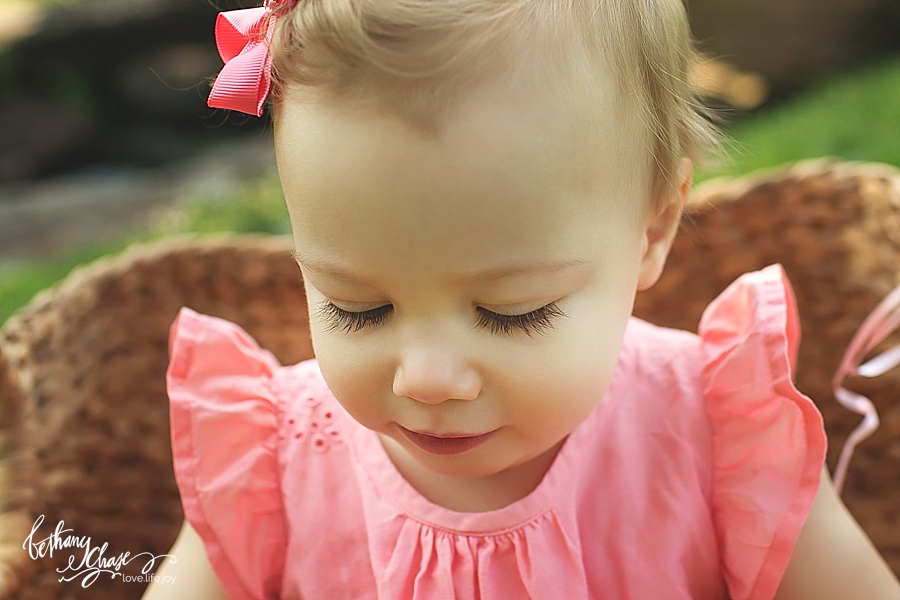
(690, 480)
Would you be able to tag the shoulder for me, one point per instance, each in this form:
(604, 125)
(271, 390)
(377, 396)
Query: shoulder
(660, 353)
(216, 366)
(234, 407)
(768, 439)
(724, 401)
(237, 418)
(658, 381)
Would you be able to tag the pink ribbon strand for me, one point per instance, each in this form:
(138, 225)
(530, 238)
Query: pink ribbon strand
(880, 323)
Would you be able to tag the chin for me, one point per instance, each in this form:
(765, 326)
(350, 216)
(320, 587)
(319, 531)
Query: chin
(473, 464)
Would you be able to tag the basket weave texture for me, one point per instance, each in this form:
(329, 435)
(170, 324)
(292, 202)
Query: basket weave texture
(85, 413)
(84, 421)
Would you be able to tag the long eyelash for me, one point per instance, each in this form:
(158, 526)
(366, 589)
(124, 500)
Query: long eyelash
(338, 318)
(534, 322)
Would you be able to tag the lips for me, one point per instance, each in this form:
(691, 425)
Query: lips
(446, 444)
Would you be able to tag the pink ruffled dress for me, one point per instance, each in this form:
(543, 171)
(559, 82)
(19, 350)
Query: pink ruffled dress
(691, 479)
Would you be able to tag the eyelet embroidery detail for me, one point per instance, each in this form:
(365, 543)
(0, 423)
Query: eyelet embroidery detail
(310, 422)
(310, 400)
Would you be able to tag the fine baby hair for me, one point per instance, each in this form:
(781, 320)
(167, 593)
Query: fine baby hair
(416, 58)
(477, 189)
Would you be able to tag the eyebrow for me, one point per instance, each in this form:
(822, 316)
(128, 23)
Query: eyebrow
(500, 272)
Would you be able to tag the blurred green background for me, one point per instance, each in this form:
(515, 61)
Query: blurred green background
(840, 99)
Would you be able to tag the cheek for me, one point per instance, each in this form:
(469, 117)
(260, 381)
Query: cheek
(345, 361)
(353, 372)
(552, 390)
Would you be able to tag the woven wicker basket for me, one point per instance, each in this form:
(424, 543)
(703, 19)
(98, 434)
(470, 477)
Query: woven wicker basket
(82, 381)
(84, 425)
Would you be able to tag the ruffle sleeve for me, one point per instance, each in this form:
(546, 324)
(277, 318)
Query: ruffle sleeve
(224, 422)
(768, 442)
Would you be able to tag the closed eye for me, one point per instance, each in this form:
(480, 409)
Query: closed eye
(350, 321)
(537, 321)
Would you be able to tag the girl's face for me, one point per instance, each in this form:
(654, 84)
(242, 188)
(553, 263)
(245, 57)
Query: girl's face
(469, 289)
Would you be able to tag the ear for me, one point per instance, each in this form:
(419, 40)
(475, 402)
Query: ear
(662, 225)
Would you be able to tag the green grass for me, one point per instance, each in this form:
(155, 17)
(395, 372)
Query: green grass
(854, 117)
(257, 207)
(19, 282)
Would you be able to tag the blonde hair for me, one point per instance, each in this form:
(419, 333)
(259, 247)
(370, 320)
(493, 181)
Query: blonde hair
(417, 56)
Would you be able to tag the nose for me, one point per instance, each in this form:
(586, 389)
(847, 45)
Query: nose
(431, 372)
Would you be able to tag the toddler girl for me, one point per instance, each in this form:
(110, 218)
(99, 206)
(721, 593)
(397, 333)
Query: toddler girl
(477, 189)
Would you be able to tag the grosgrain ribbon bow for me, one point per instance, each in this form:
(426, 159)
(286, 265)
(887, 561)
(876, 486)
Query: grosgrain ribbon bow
(882, 321)
(243, 37)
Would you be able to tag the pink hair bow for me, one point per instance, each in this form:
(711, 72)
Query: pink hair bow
(882, 321)
(242, 38)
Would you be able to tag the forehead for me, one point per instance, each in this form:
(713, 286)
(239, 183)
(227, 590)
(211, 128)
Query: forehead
(512, 169)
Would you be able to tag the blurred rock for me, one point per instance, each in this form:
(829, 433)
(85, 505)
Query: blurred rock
(18, 19)
(137, 71)
(123, 83)
(37, 132)
(155, 81)
(57, 215)
(720, 80)
(793, 43)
